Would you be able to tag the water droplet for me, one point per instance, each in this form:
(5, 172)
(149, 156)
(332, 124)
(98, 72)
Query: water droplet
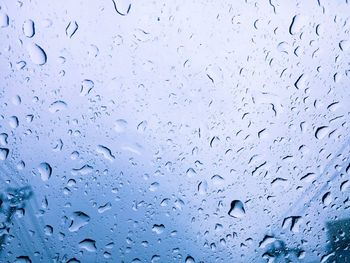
(190, 172)
(327, 198)
(217, 179)
(344, 45)
(48, 230)
(23, 259)
(120, 125)
(36, 53)
(321, 132)
(266, 241)
(84, 170)
(158, 229)
(104, 208)
(202, 187)
(296, 25)
(88, 244)
(189, 259)
(28, 28)
(71, 28)
(4, 152)
(13, 121)
(45, 171)
(106, 152)
(292, 223)
(57, 106)
(122, 7)
(237, 209)
(79, 219)
(344, 185)
(4, 20)
(86, 86)
(3, 138)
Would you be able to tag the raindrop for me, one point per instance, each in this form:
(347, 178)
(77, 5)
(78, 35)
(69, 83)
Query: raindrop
(3, 138)
(158, 229)
(327, 198)
(86, 86)
(37, 54)
(45, 171)
(4, 20)
(104, 208)
(88, 244)
(202, 188)
(344, 45)
(79, 219)
(13, 121)
(321, 132)
(84, 170)
(189, 259)
(237, 209)
(4, 152)
(120, 125)
(28, 28)
(57, 106)
(106, 152)
(296, 24)
(190, 172)
(71, 28)
(122, 7)
(23, 259)
(266, 241)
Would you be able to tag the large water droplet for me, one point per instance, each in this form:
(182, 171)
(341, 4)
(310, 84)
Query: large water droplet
(120, 125)
(85, 169)
(237, 209)
(106, 152)
(79, 219)
(45, 171)
(36, 53)
(321, 132)
(122, 7)
(28, 28)
(189, 259)
(158, 229)
(13, 121)
(57, 106)
(71, 28)
(88, 244)
(4, 152)
(86, 86)
(4, 20)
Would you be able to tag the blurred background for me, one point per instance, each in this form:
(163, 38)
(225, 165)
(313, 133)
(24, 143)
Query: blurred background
(174, 131)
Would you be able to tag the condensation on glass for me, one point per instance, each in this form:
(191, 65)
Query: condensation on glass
(174, 131)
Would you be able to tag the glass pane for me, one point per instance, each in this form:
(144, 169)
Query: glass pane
(174, 131)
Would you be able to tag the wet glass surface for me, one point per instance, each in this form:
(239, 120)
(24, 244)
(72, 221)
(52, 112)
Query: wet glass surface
(174, 131)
